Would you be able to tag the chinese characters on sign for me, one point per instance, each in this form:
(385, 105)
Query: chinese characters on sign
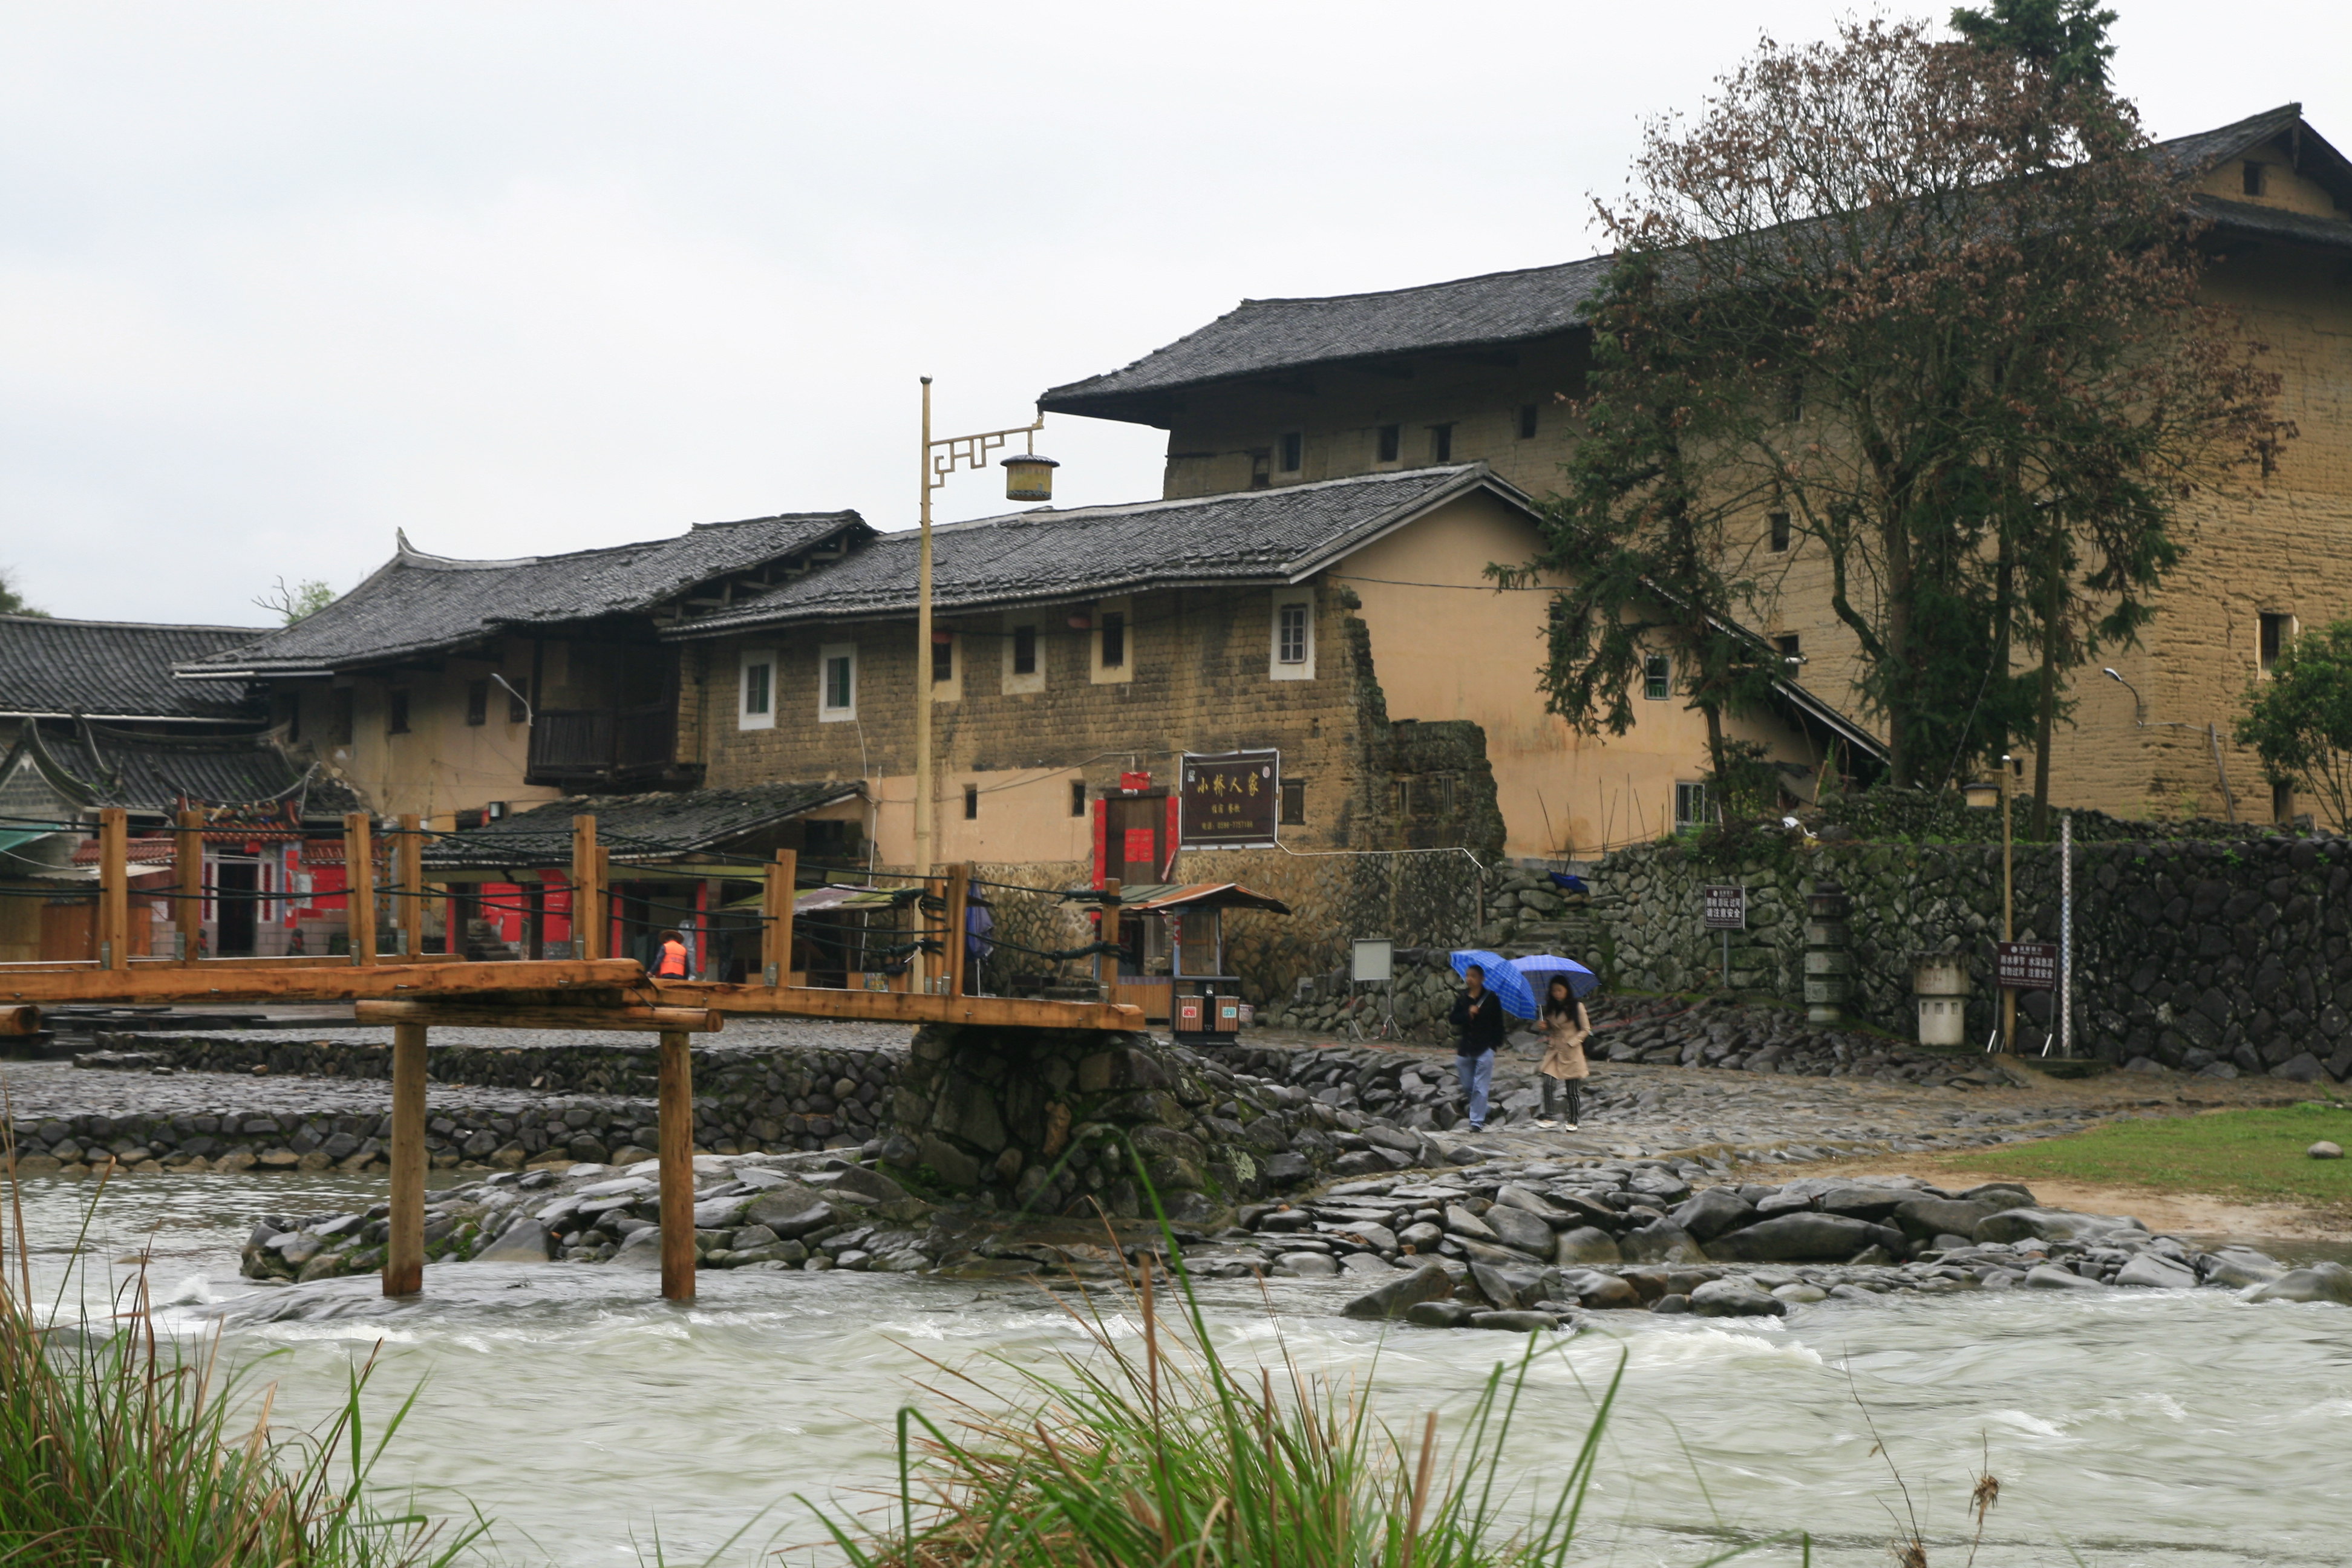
(1229, 800)
(1723, 908)
(2027, 965)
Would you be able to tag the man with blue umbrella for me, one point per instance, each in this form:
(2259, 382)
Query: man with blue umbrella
(1477, 1019)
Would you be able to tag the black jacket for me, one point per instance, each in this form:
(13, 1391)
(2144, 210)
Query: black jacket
(1481, 1028)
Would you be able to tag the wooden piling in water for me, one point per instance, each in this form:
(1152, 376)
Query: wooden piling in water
(404, 1255)
(676, 1118)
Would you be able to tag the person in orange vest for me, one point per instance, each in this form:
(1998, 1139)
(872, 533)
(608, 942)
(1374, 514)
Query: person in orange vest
(672, 963)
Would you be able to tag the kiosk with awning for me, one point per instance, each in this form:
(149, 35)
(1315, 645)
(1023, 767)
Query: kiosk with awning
(1172, 962)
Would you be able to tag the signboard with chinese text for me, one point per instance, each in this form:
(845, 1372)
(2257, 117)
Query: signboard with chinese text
(1230, 799)
(2026, 966)
(1723, 908)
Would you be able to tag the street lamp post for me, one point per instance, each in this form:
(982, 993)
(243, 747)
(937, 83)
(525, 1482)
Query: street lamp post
(1027, 478)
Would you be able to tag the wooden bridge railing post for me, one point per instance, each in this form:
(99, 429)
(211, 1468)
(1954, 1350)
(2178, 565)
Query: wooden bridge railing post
(958, 902)
(586, 930)
(358, 886)
(188, 885)
(675, 1121)
(114, 887)
(404, 1255)
(776, 919)
(408, 902)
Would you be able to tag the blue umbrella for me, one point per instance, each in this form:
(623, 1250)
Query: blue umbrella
(1510, 987)
(1581, 982)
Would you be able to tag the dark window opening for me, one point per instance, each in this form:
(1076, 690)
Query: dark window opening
(1404, 797)
(1441, 443)
(1790, 644)
(339, 716)
(1113, 641)
(2277, 632)
(1392, 441)
(396, 713)
(1526, 421)
(1294, 802)
(2250, 174)
(971, 802)
(1294, 452)
(1793, 398)
(1445, 792)
(1658, 677)
(2283, 803)
(478, 703)
(1260, 470)
(1690, 804)
(1779, 525)
(840, 682)
(943, 659)
(1024, 650)
(1077, 798)
(518, 700)
(293, 717)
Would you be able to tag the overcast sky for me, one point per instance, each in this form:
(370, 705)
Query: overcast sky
(523, 277)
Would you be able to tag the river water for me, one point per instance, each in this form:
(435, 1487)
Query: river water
(586, 1418)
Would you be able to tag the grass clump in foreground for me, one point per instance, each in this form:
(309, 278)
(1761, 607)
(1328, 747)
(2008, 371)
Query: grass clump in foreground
(115, 1448)
(2250, 1153)
(1149, 1449)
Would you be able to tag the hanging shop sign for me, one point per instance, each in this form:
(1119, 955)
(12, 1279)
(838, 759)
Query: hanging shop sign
(1229, 799)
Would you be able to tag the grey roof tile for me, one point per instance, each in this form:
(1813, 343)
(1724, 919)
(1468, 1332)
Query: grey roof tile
(97, 764)
(633, 826)
(116, 669)
(1045, 555)
(1268, 337)
(418, 603)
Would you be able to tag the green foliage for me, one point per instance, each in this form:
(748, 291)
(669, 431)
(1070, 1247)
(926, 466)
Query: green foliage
(2299, 720)
(115, 1448)
(11, 603)
(305, 599)
(2067, 39)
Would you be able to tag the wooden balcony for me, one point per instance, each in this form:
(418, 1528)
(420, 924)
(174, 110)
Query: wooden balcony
(587, 747)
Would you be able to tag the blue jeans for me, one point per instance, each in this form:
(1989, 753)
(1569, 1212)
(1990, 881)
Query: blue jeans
(1475, 1073)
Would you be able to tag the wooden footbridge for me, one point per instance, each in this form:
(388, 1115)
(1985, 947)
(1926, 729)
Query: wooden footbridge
(412, 991)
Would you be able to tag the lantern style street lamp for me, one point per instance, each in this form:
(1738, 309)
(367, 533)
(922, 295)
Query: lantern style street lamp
(1027, 477)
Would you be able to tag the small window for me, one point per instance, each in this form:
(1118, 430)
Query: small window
(1791, 646)
(1690, 804)
(757, 709)
(1404, 797)
(942, 657)
(1260, 470)
(970, 803)
(1294, 802)
(478, 703)
(518, 700)
(1658, 677)
(1024, 650)
(1114, 640)
(339, 716)
(1526, 421)
(1392, 442)
(1445, 792)
(837, 681)
(2283, 803)
(1294, 452)
(395, 721)
(2251, 175)
(2278, 631)
(1793, 398)
(1291, 635)
(1077, 798)
(1441, 443)
(1778, 522)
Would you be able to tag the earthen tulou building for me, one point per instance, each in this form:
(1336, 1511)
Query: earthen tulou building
(1313, 582)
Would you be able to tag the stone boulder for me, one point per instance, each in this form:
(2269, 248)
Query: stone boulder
(1804, 1238)
(1661, 1241)
(1586, 1244)
(1735, 1298)
(1604, 1292)
(1517, 1227)
(1713, 1212)
(2320, 1282)
(2049, 1225)
(1430, 1282)
(2049, 1277)
(1923, 1219)
(525, 1241)
(2156, 1272)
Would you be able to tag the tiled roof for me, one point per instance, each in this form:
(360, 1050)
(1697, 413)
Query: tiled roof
(1269, 337)
(633, 826)
(117, 670)
(96, 764)
(1275, 535)
(418, 603)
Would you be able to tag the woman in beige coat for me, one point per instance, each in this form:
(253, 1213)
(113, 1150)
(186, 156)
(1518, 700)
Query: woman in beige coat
(1564, 1026)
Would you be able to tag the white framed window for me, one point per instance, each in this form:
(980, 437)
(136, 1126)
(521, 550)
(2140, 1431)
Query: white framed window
(1294, 638)
(1690, 804)
(755, 693)
(836, 682)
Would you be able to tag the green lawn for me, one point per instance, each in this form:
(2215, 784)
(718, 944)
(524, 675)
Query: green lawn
(2252, 1153)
